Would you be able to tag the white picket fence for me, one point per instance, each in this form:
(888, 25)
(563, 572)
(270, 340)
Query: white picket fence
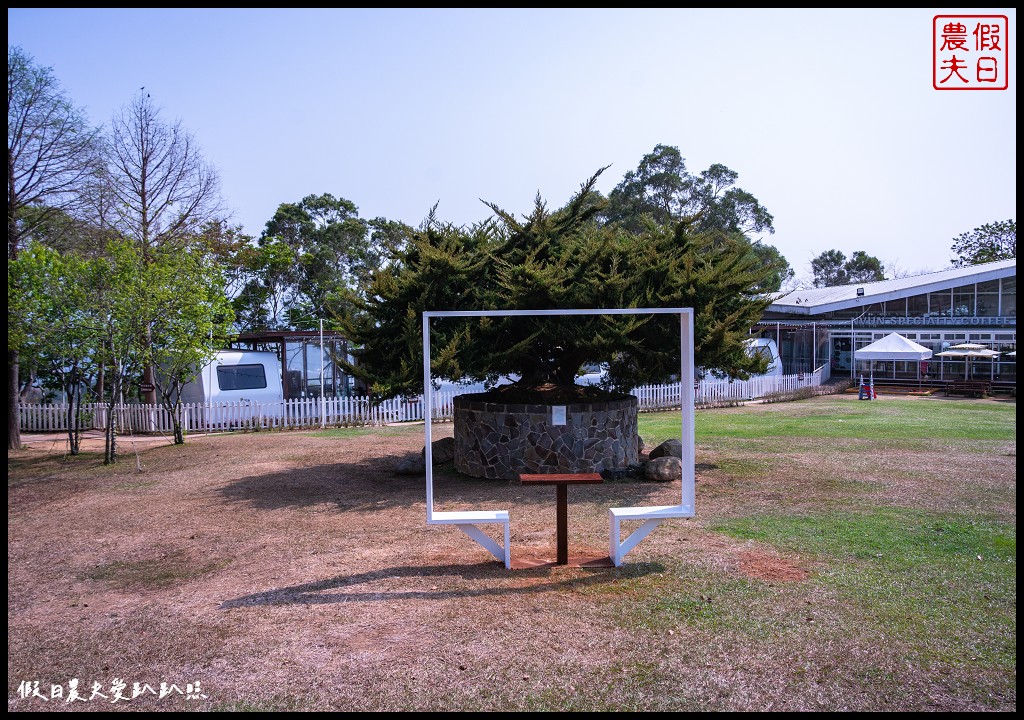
(358, 411)
(227, 416)
(716, 393)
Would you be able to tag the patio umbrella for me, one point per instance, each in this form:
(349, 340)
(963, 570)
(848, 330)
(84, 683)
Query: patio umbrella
(976, 351)
(968, 346)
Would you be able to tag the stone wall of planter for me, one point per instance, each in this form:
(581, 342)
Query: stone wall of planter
(500, 441)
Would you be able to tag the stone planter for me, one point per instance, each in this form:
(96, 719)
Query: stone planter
(500, 441)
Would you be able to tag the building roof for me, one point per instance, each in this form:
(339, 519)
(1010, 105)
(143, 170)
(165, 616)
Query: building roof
(815, 301)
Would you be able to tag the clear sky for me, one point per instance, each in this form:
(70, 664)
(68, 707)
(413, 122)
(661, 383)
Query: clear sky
(828, 115)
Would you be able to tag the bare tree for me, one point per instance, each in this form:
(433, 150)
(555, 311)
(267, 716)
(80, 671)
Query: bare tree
(165, 191)
(52, 153)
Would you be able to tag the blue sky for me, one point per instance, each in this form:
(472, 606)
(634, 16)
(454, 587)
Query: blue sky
(828, 116)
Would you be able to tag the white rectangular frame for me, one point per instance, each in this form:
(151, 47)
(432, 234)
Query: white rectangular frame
(467, 520)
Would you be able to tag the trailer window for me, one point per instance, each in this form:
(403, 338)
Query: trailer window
(241, 377)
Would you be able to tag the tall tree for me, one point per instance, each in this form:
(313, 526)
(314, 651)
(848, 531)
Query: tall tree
(125, 307)
(52, 152)
(832, 268)
(51, 320)
(663, 189)
(316, 248)
(986, 243)
(560, 259)
(663, 192)
(781, 275)
(189, 310)
(164, 192)
(266, 270)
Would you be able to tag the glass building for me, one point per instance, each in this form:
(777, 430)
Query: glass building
(821, 327)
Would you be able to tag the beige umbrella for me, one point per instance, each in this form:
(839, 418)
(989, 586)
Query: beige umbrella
(967, 351)
(968, 346)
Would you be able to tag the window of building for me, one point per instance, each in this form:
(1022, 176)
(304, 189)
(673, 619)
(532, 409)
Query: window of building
(940, 303)
(917, 306)
(1008, 299)
(963, 301)
(895, 308)
(988, 298)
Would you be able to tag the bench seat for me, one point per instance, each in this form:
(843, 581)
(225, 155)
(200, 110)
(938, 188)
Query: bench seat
(471, 516)
(650, 515)
(467, 521)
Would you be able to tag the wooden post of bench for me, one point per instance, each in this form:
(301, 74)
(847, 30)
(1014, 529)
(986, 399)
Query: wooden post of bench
(561, 481)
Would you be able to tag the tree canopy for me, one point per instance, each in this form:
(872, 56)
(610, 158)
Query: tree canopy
(986, 243)
(162, 191)
(52, 150)
(52, 156)
(662, 191)
(309, 252)
(554, 259)
(832, 268)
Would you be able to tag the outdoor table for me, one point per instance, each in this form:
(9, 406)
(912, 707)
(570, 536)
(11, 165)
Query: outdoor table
(561, 481)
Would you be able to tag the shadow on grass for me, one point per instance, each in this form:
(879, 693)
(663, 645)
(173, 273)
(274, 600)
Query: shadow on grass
(374, 486)
(319, 593)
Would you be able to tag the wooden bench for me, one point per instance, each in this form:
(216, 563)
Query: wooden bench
(974, 388)
(651, 515)
(467, 521)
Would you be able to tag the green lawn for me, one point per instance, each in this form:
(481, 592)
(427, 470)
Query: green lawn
(897, 504)
(908, 420)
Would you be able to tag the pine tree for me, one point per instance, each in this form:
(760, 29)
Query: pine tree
(564, 259)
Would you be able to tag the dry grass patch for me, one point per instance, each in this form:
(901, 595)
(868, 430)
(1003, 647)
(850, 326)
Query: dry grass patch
(295, 571)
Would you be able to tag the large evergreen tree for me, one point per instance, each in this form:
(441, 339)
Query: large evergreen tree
(555, 260)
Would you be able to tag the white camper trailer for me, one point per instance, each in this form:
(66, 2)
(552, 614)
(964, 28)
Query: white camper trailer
(247, 381)
(766, 347)
(763, 347)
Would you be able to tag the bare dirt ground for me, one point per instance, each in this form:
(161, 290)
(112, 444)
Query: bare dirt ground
(291, 571)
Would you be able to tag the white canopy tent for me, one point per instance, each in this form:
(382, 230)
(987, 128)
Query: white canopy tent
(894, 347)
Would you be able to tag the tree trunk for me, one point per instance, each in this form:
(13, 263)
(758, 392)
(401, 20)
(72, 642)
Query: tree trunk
(13, 400)
(110, 444)
(149, 379)
(73, 395)
(72, 423)
(149, 373)
(99, 384)
(110, 437)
